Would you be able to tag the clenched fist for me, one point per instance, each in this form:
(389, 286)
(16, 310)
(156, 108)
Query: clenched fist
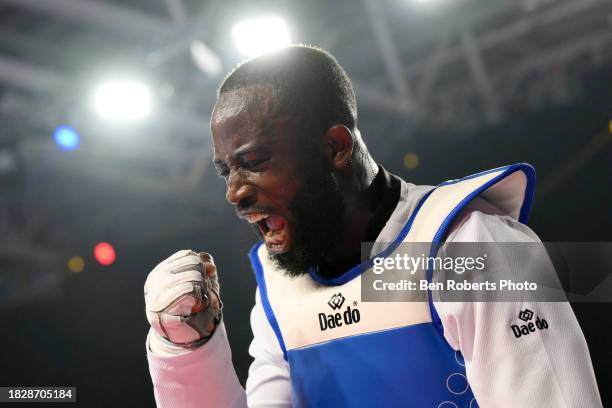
(182, 298)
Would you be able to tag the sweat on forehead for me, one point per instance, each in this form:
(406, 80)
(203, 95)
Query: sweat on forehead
(254, 102)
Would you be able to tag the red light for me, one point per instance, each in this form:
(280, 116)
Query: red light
(105, 253)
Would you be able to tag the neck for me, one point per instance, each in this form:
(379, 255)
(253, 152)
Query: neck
(363, 168)
(362, 196)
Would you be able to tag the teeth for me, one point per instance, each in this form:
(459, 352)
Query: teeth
(271, 233)
(253, 218)
(275, 237)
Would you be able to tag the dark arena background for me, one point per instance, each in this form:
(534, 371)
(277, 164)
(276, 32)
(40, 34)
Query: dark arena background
(104, 139)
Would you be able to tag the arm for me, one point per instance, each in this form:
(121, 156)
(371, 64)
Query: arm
(551, 369)
(190, 378)
(187, 376)
(187, 348)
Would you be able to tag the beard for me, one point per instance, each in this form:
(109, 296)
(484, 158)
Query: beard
(317, 223)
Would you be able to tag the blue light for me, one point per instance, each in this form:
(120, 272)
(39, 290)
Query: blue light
(66, 138)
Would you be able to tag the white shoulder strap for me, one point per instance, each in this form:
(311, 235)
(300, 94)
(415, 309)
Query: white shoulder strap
(508, 188)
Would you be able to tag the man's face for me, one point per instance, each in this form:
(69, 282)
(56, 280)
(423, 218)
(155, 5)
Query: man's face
(277, 178)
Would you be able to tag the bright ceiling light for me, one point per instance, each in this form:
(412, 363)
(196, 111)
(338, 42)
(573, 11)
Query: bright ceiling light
(123, 100)
(257, 36)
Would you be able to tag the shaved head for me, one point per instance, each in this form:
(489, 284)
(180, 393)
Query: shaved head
(305, 81)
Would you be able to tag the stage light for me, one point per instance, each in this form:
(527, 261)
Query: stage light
(104, 253)
(76, 264)
(411, 161)
(205, 58)
(123, 100)
(66, 137)
(257, 36)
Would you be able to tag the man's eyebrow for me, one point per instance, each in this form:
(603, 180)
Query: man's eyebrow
(239, 153)
(246, 149)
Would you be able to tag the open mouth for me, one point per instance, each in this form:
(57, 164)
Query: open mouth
(274, 230)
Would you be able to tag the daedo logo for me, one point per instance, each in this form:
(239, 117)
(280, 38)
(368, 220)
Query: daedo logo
(333, 320)
(526, 315)
(336, 301)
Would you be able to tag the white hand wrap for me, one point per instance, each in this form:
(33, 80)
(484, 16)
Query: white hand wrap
(182, 298)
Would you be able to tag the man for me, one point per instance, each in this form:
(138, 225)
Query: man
(286, 141)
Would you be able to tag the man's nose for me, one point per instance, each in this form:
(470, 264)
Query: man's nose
(238, 192)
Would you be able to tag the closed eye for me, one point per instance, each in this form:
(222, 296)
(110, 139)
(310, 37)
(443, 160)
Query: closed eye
(254, 164)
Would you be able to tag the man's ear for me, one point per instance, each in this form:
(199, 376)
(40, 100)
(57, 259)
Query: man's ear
(339, 145)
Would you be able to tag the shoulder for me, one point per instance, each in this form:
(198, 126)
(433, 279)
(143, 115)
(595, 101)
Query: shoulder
(475, 225)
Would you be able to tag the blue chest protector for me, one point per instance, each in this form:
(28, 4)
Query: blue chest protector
(381, 354)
